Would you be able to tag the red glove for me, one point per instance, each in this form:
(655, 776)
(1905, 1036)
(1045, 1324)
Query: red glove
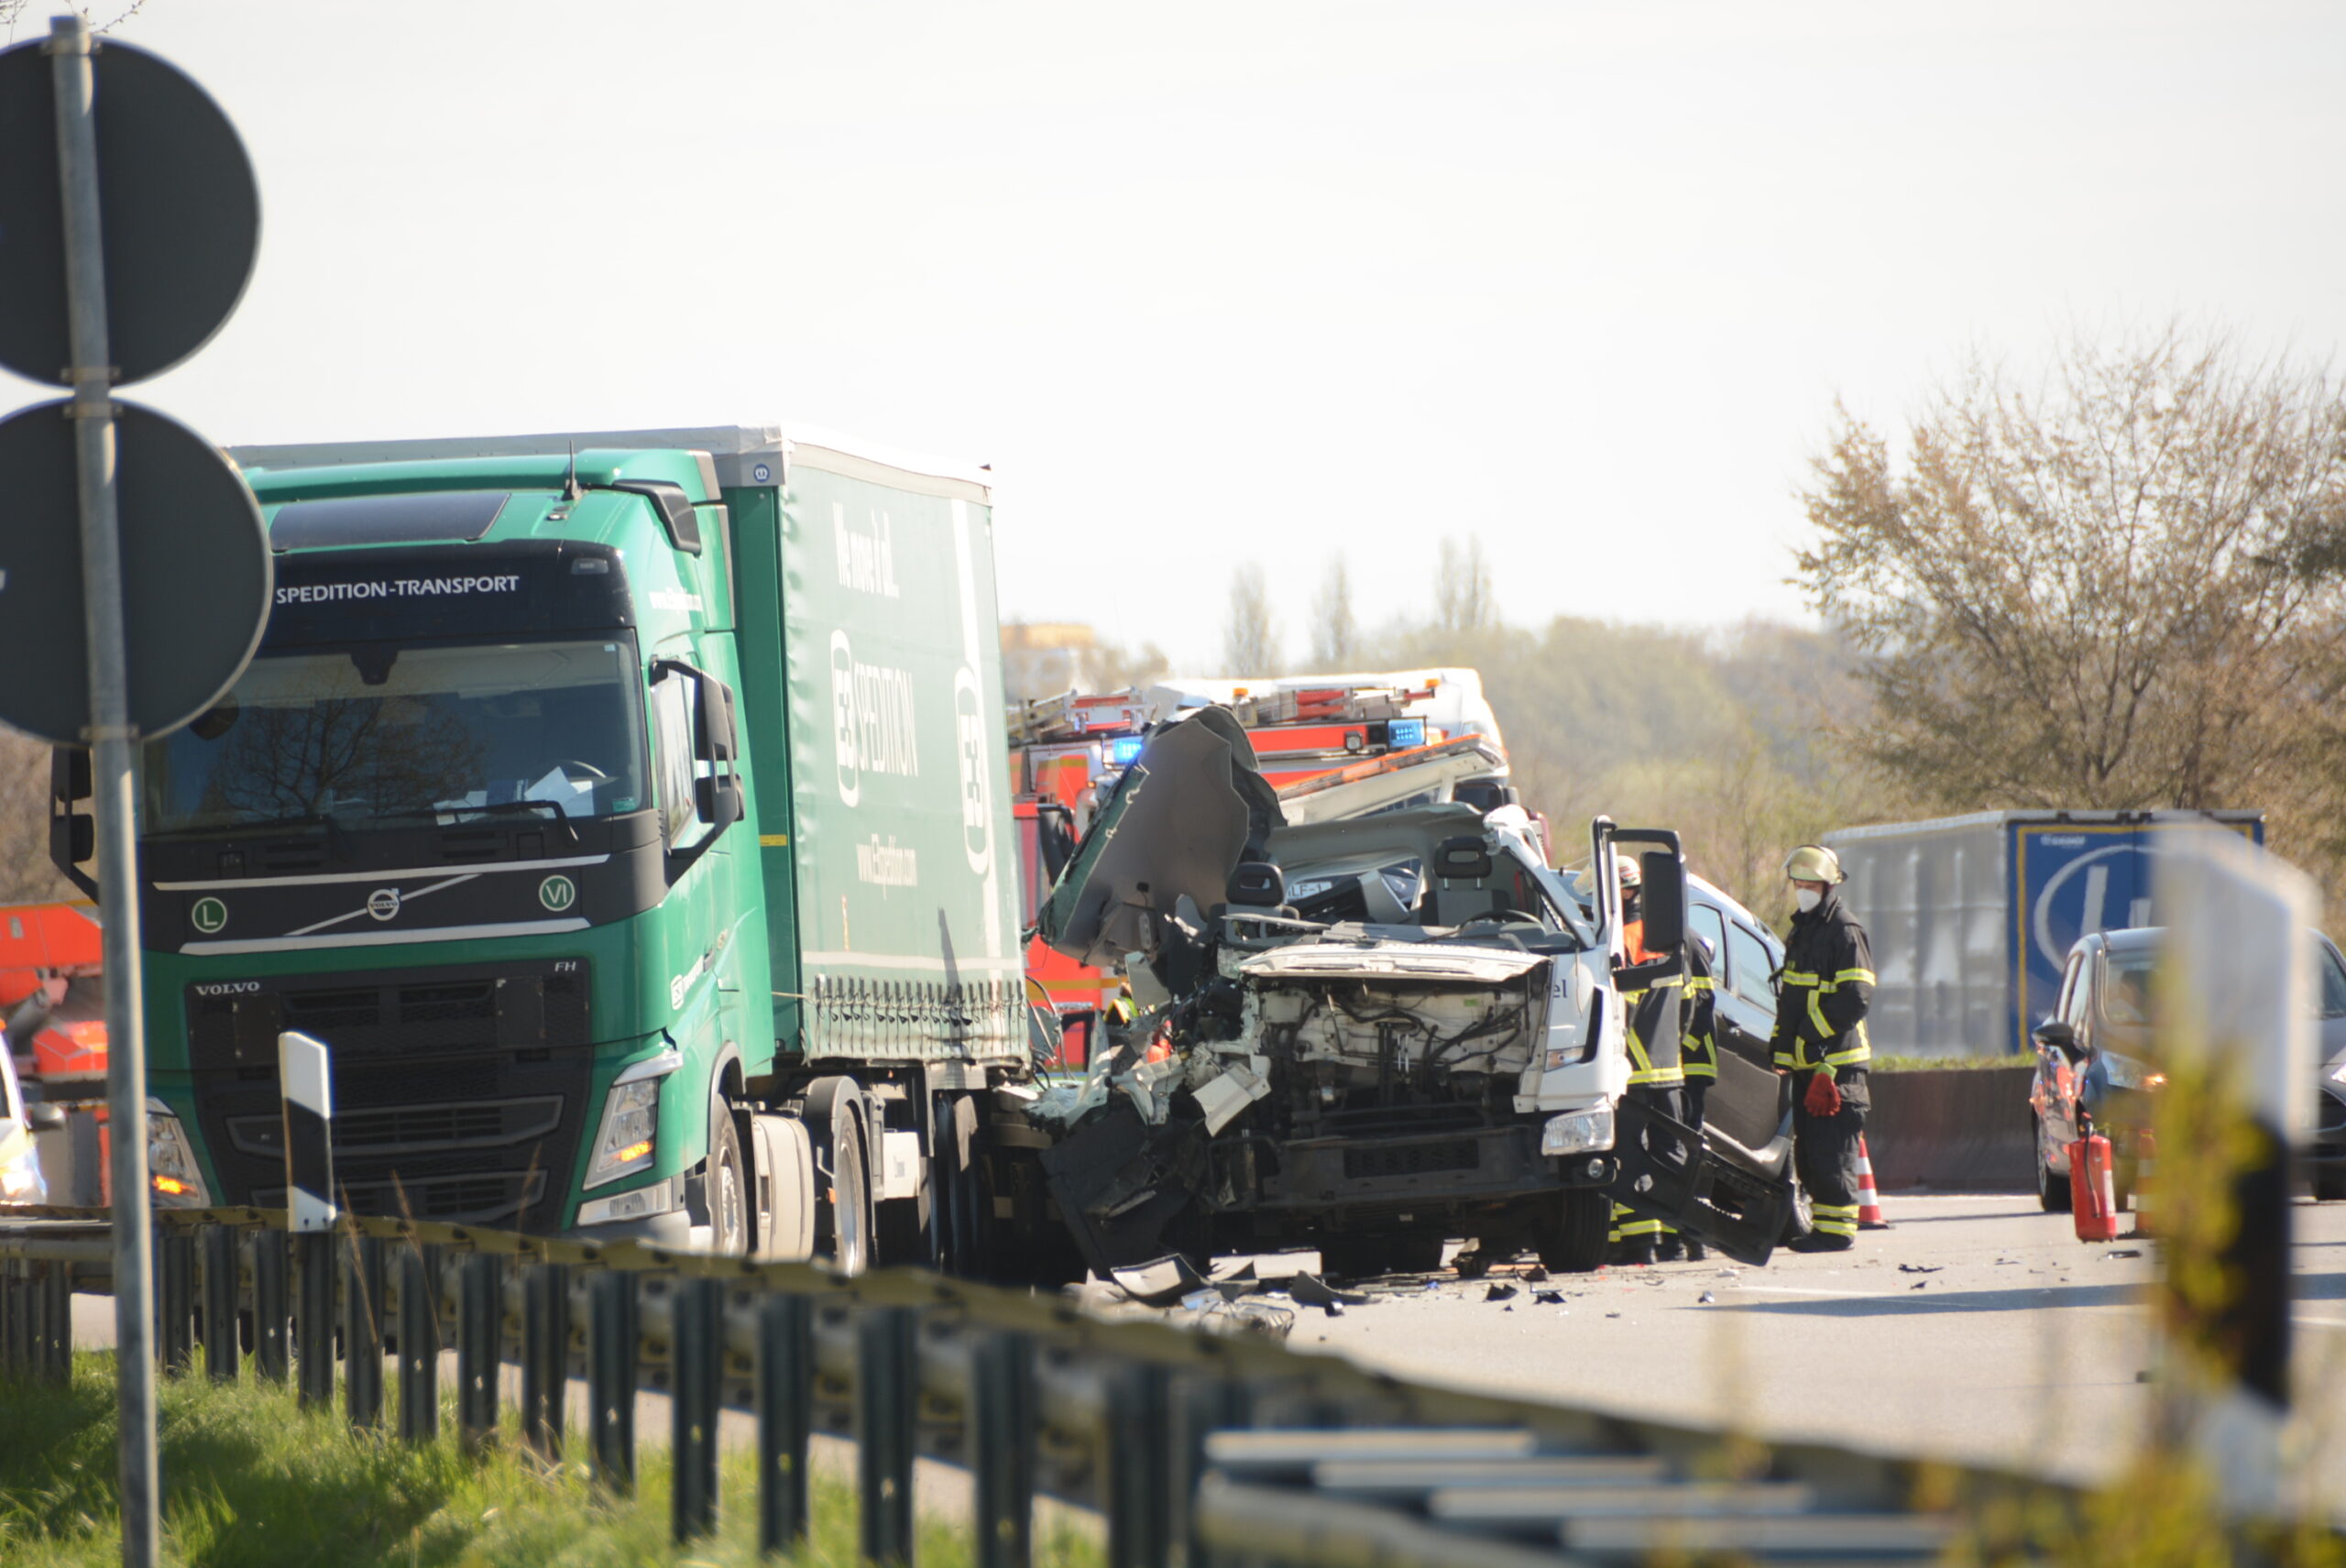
(1824, 1097)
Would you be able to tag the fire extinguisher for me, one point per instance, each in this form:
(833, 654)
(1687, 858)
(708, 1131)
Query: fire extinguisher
(2093, 1185)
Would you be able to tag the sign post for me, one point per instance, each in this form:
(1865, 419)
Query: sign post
(111, 737)
(122, 254)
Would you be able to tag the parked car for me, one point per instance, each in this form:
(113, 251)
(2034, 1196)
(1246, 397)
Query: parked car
(2091, 1060)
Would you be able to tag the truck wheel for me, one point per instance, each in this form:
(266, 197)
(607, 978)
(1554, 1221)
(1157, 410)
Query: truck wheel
(2052, 1188)
(851, 1194)
(728, 1188)
(1573, 1240)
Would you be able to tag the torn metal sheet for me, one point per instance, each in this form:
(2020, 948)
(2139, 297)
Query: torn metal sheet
(1225, 1095)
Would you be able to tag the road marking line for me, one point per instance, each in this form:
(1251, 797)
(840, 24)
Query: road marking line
(1797, 1290)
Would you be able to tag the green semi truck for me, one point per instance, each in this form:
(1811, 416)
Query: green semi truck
(625, 812)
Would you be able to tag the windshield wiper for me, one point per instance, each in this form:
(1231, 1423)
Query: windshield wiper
(503, 807)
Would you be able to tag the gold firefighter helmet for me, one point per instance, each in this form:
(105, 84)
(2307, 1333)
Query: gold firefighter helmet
(1814, 862)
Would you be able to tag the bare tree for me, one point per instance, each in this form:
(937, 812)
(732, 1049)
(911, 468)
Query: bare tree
(2082, 593)
(1250, 639)
(12, 14)
(1335, 634)
(1462, 595)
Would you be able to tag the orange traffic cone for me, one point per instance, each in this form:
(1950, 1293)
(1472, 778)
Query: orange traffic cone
(2146, 1160)
(1868, 1196)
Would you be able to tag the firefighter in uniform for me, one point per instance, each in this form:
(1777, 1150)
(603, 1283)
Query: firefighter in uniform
(1820, 1040)
(1656, 1075)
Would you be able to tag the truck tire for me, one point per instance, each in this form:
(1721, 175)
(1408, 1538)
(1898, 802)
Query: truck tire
(2052, 1189)
(728, 1188)
(834, 1114)
(1572, 1239)
(961, 1214)
(782, 1167)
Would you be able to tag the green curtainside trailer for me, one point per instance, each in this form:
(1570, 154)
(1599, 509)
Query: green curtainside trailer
(624, 811)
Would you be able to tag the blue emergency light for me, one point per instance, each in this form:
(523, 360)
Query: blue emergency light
(1404, 733)
(1123, 754)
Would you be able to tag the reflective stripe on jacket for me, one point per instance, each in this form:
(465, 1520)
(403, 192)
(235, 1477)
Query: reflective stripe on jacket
(1698, 1045)
(1653, 1034)
(1825, 988)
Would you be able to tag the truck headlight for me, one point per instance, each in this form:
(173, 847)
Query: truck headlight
(1577, 1132)
(172, 1176)
(2338, 1071)
(630, 1126)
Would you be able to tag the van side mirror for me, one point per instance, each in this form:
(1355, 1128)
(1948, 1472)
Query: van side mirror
(2060, 1036)
(1664, 902)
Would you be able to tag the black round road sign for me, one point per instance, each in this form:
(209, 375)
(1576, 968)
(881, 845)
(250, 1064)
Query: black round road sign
(195, 571)
(178, 211)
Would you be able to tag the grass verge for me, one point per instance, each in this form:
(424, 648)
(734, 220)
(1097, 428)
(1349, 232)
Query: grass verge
(1946, 1063)
(251, 1479)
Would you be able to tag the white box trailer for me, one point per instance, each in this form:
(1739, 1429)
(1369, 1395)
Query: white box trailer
(1972, 917)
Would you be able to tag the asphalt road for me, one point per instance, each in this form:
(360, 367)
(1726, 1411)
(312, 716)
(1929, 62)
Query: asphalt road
(2020, 1349)
(1976, 1328)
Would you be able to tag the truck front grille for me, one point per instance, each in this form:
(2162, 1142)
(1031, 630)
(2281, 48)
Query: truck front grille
(459, 1094)
(414, 1129)
(452, 1199)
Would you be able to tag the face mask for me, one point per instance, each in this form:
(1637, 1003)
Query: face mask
(1807, 898)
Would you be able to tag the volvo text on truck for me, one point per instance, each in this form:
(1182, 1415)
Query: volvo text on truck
(625, 813)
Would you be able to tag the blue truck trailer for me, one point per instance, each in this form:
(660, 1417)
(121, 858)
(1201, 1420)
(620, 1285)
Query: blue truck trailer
(1972, 917)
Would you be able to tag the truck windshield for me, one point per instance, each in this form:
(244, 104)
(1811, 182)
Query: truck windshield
(374, 733)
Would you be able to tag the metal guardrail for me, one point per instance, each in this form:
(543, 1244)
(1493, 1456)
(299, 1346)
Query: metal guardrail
(1197, 1447)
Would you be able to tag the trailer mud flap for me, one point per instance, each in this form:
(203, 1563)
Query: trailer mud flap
(1668, 1172)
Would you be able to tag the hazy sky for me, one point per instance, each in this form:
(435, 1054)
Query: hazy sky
(1266, 280)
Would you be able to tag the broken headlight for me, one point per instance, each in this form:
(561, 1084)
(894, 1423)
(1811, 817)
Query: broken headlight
(1578, 1131)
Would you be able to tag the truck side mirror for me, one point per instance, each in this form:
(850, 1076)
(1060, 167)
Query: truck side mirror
(43, 1117)
(716, 738)
(720, 801)
(73, 835)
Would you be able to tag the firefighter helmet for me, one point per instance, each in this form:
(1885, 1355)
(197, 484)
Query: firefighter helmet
(1627, 871)
(1814, 862)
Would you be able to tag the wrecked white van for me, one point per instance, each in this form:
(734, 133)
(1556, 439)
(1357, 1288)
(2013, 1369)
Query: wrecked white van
(1370, 1033)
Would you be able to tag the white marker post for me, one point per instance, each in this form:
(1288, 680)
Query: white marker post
(2236, 1003)
(305, 1078)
